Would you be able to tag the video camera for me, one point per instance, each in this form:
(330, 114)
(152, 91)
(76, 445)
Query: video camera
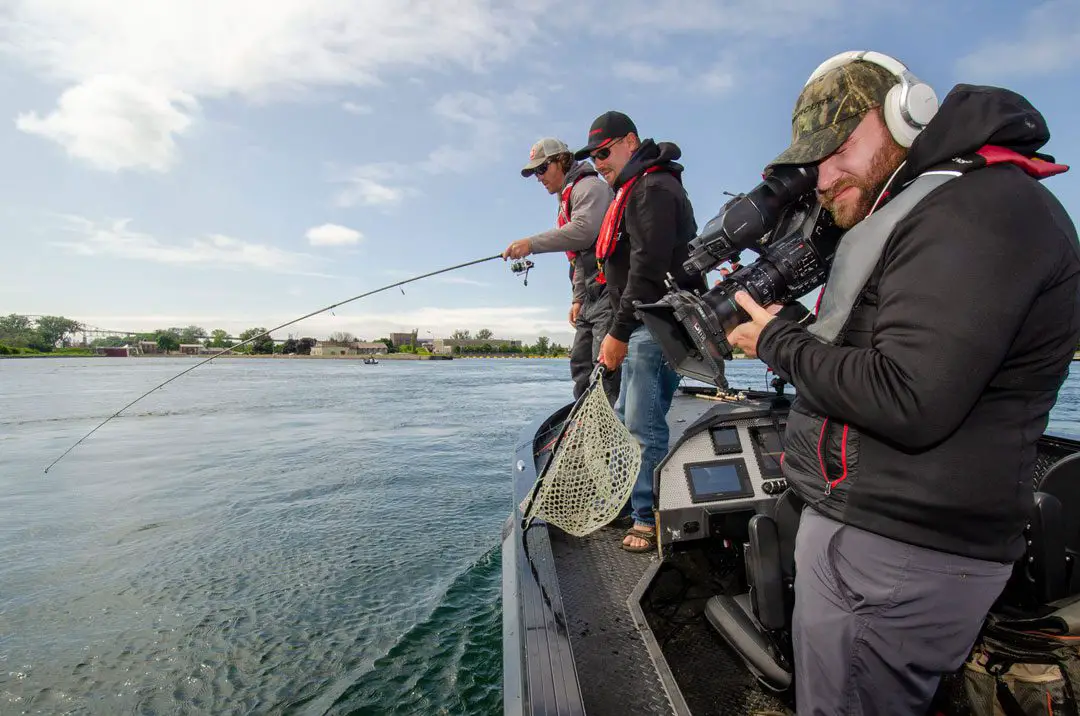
(781, 220)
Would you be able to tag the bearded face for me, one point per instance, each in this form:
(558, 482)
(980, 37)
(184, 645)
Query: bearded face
(851, 178)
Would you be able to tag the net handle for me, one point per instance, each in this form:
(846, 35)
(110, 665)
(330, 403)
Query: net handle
(594, 380)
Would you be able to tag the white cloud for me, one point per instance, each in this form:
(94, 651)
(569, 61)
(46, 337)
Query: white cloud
(1049, 42)
(354, 108)
(116, 122)
(712, 81)
(461, 281)
(645, 73)
(149, 62)
(115, 239)
(134, 72)
(478, 121)
(716, 80)
(483, 118)
(373, 185)
(332, 235)
(761, 19)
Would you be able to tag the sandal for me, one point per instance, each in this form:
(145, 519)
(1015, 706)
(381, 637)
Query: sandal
(649, 538)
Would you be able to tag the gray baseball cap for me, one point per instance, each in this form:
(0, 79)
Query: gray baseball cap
(543, 150)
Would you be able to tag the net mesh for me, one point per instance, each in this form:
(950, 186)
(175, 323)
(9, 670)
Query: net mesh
(592, 471)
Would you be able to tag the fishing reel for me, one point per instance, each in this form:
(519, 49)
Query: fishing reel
(522, 266)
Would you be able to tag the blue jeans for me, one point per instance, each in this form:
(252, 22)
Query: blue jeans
(648, 385)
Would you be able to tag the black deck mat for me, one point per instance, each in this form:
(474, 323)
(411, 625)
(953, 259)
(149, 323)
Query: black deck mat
(711, 677)
(596, 577)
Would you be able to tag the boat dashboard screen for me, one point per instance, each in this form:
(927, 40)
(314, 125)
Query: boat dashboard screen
(768, 442)
(718, 480)
(725, 439)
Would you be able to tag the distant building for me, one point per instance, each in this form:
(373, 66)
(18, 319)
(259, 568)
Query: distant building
(114, 351)
(403, 339)
(447, 345)
(334, 349)
(367, 349)
(148, 347)
(191, 349)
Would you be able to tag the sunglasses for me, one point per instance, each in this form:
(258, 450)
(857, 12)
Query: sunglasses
(604, 153)
(540, 170)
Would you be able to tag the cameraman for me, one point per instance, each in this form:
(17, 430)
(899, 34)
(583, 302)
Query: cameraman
(644, 238)
(922, 390)
(583, 199)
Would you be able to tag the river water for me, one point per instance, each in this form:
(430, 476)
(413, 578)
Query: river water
(266, 536)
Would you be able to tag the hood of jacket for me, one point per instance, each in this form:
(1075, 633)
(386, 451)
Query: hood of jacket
(578, 170)
(971, 117)
(648, 155)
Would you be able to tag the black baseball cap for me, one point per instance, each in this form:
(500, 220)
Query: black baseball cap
(608, 127)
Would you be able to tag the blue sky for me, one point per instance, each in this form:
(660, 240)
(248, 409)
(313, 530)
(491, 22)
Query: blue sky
(238, 163)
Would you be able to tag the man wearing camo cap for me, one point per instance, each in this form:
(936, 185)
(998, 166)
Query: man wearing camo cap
(583, 201)
(945, 329)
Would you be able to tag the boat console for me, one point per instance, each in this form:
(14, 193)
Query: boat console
(724, 468)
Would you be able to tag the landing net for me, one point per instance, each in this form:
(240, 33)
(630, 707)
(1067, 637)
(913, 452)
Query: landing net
(592, 470)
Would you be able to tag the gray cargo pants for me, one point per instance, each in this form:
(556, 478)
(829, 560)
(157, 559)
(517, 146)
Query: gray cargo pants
(592, 325)
(877, 622)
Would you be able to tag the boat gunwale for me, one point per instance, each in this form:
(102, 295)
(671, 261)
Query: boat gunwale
(543, 670)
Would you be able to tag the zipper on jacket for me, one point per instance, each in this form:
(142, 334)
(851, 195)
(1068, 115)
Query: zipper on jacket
(830, 484)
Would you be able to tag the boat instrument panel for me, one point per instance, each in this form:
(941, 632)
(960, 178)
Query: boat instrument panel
(725, 468)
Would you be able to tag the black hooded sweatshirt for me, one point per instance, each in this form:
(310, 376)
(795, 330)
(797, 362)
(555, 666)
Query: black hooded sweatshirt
(923, 422)
(657, 225)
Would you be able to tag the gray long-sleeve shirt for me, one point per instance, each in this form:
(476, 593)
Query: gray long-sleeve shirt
(588, 203)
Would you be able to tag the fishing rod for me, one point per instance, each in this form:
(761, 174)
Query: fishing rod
(517, 267)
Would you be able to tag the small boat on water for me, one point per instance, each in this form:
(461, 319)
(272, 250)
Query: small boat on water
(371, 361)
(701, 626)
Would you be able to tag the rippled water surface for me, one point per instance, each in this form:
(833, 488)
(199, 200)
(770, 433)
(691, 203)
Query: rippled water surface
(265, 536)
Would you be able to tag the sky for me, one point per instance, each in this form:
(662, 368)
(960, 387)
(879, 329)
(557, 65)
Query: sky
(240, 163)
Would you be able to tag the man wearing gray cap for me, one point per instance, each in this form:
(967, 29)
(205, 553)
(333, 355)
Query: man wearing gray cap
(583, 201)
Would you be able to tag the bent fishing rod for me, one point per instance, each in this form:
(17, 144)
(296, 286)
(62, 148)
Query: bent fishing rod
(516, 267)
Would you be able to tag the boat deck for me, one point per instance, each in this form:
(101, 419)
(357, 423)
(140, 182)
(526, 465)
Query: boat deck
(603, 592)
(592, 629)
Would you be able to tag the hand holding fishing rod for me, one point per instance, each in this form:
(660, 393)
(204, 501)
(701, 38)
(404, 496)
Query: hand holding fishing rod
(283, 325)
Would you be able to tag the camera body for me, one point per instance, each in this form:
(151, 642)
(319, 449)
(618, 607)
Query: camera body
(796, 239)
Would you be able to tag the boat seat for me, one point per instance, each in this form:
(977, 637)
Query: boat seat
(1041, 576)
(757, 625)
(1062, 480)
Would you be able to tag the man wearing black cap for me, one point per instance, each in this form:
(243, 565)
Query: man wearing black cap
(946, 327)
(643, 239)
(583, 199)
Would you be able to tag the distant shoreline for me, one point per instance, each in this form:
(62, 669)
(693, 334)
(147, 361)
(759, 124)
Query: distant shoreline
(380, 358)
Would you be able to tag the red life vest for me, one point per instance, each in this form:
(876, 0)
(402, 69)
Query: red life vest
(1034, 166)
(609, 230)
(988, 155)
(564, 212)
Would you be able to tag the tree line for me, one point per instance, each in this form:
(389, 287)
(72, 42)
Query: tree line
(47, 334)
(170, 339)
(43, 334)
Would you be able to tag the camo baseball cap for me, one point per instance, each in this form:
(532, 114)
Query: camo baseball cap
(830, 108)
(543, 150)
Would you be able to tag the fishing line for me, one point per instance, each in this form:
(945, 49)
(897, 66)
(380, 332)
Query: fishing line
(266, 333)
